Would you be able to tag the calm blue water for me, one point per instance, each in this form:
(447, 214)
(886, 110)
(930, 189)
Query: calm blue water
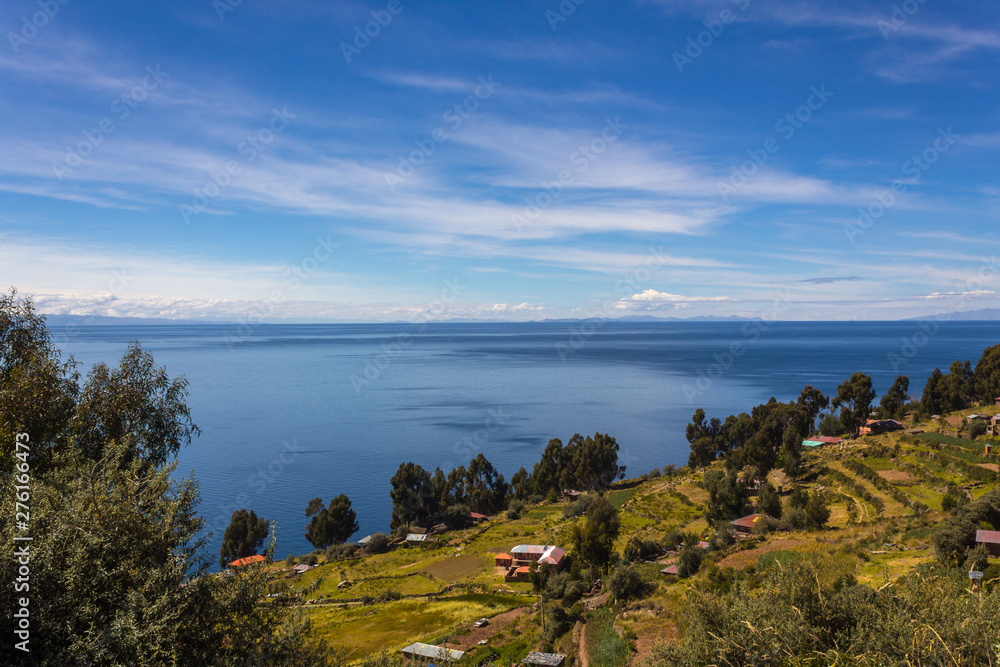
(291, 412)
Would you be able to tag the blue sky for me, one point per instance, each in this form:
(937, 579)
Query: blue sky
(498, 159)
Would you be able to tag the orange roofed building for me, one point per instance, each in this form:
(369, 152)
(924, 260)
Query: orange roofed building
(246, 561)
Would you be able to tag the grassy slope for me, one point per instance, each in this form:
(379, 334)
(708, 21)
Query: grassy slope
(454, 582)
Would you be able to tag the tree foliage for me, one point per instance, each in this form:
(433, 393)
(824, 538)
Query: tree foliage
(330, 525)
(986, 377)
(593, 539)
(854, 398)
(243, 537)
(894, 401)
(119, 574)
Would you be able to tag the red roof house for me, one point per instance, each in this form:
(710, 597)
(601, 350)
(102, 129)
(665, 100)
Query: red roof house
(745, 524)
(246, 561)
(502, 560)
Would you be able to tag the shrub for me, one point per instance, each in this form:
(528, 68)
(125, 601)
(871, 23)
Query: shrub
(626, 584)
(578, 508)
(978, 558)
(817, 513)
(765, 524)
(689, 562)
(574, 591)
(514, 509)
(378, 544)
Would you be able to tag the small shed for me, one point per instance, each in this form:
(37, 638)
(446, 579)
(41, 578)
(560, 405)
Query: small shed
(991, 538)
(303, 567)
(993, 425)
(502, 560)
(518, 574)
(365, 540)
(476, 517)
(669, 571)
(544, 659)
(997, 401)
(415, 538)
(429, 652)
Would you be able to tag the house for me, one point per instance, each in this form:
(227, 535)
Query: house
(429, 652)
(669, 571)
(997, 401)
(303, 567)
(974, 417)
(525, 554)
(502, 560)
(544, 659)
(993, 425)
(247, 561)
(820, 440)
(476, 517)
(522, 573)
(876, 426)
(745, 524)
(573, 494)
(438, 528)
(991, 538)
(417, 530)
(365, 540)
(416, 538)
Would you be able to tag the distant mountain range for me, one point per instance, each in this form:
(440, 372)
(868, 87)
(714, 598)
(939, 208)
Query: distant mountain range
(981, 315)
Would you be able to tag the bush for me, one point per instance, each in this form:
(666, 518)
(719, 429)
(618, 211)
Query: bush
(817, 513)
(378, 544)
(577, 508)
(765, 524)
(795, 518)
(574, 591)
(626, 584)
(978, 558)
(514, 510)
(690, 561)
(977, 428)
(640, 549)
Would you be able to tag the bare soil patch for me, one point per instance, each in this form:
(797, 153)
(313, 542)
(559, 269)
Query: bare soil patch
(989, 466)
(896, 476)
(497, 624)
(741, 559)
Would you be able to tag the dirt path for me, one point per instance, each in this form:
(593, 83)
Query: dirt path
(580, 639)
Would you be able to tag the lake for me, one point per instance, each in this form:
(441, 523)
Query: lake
(291, 412)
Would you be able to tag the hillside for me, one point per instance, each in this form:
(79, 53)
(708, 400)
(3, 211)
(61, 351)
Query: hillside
(884, 493)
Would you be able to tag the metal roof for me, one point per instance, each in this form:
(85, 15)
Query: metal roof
(546, 659)
(414, 537)
(246, 561)
(747, 521)
(669, 570)
(988, 536)
(433, 652)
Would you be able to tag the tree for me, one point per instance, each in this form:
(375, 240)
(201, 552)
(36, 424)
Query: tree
(958, 389)
(689, 560)
(119, 574)
(244, 536)
(854, 398)
(703, 452)
(412, 497)
(932, 401)
(626, 584)
(485, 487)
(593, 539)
(330, 525)
(812, 402)
(791, 453)
(768, 501)
(378, 544)
(986, 377)
(894, 400)
(817, 513)
(136, 401)
(727, 497)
